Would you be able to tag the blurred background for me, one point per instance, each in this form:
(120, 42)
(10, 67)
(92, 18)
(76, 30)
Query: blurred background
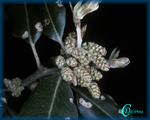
(112, 25)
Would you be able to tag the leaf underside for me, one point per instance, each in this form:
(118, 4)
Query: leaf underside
(51, 98)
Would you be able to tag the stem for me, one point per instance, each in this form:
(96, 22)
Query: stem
(40, 73)
(79, 36)
(30, 39)
(77, 23)
(38, 63)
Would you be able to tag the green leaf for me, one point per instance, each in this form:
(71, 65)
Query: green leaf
(18, 17)
(100, 108)
(57, 17)
(51, 98)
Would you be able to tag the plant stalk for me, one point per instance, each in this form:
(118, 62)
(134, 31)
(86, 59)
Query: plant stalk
(38, 63)
(30, 39)
(40, 73)
(79, 36)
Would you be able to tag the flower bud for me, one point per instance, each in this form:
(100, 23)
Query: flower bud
(83, 83)
(16, 93)
(79, 53)
(67, 74)
(12, 87)
(72, 62)
(94, 90)
(95, 48)
(83, 74)
(100, 61)
(69, 45)
(85, 46)
(17, 81)
(95, 74)
(20, 88)
(60, 61)
(84, 61)
(7, 82)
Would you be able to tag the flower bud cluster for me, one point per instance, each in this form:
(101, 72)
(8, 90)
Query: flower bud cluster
(94, 90)
(14, 86)
(76, 68)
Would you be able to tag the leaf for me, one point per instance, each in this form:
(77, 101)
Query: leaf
(83, 30)
(100, 108)
(113, 54)
(77, 7)
(18, 17)
(57, 17)
(51, 98)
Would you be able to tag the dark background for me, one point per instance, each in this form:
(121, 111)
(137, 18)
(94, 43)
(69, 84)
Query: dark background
(112, 25)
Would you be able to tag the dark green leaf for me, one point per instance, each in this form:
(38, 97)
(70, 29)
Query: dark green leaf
(51, 98)
(18, 16)
(57, 17)
(100, 108)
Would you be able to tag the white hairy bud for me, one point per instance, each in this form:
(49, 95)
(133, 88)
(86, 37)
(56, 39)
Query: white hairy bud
(80, 11)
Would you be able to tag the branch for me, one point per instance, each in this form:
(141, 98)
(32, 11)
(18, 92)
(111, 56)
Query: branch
(38, 63)
(40, 73)
(79, 37)
(31, 42)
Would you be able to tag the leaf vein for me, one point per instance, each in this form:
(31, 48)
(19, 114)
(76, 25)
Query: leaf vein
(54, 96)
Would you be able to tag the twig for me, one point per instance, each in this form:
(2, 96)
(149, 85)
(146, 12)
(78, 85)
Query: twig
(79, 37)
(77, 23)
(38, 63)
(31, 42)
(40, 73)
